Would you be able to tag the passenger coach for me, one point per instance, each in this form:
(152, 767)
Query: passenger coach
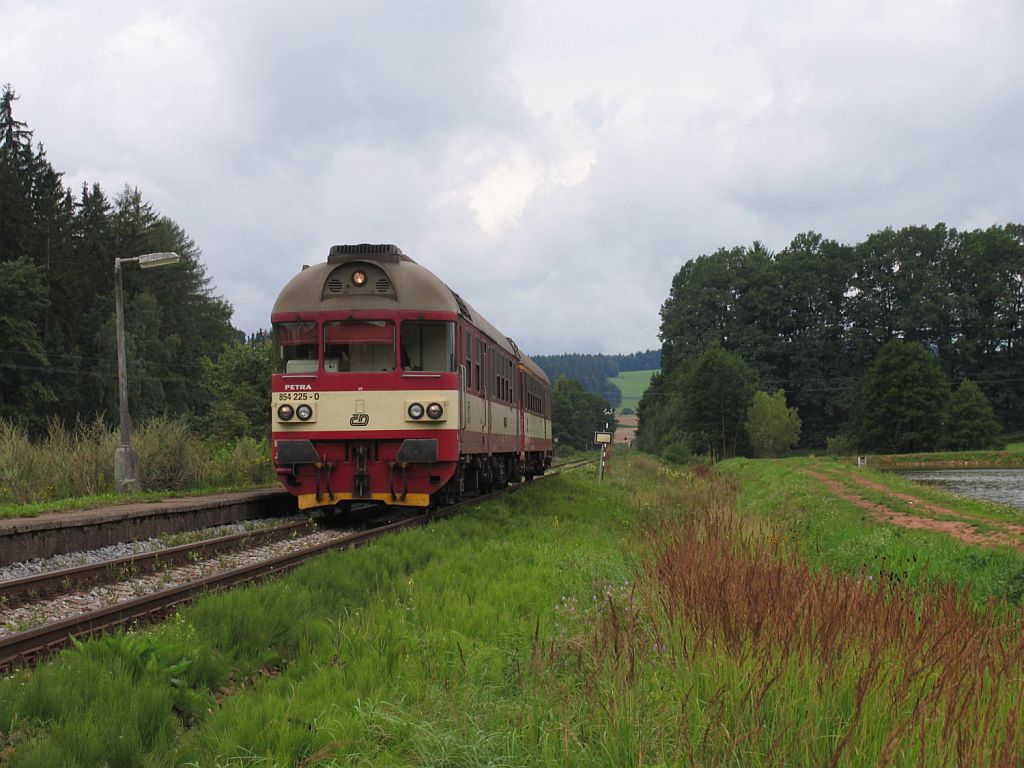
(388, 387)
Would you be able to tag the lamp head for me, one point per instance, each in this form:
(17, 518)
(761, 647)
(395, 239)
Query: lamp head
(158, 259)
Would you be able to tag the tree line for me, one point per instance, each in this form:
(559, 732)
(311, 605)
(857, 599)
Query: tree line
(57, 329)
(813, 321)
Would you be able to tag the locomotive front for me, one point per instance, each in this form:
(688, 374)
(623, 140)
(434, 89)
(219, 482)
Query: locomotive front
(365, 394)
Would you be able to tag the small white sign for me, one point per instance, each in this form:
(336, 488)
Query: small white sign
(602, 437)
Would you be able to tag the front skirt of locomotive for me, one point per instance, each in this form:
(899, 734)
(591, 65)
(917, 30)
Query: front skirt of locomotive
(323, 470)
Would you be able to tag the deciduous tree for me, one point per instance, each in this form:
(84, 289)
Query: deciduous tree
(969, 421)
(575, 413)
(773, 427)
(902, 400)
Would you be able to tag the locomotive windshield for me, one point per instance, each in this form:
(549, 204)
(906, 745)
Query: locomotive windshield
(295, 347)
(359, 345)
(428, 345)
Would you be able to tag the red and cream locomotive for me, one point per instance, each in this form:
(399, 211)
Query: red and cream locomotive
(388, 387)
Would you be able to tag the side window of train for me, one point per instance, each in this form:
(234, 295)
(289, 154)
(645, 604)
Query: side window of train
(483, 367)
(477, 382)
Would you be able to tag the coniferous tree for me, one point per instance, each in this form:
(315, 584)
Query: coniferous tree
(57, 316)
(22, 397)
(16, 165)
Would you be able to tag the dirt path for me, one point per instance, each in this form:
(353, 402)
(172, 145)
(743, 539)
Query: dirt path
(1006, 535)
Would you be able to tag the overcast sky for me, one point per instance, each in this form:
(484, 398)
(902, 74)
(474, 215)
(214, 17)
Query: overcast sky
(555, 162)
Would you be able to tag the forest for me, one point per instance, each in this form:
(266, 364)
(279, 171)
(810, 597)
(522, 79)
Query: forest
(813, 320)
(58, 356)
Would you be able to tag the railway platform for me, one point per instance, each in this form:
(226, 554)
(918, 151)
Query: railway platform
(24, 538)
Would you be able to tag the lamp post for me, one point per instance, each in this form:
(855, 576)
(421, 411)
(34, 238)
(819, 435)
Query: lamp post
(126, 461)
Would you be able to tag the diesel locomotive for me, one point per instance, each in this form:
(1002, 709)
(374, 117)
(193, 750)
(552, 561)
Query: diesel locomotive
(390, 388)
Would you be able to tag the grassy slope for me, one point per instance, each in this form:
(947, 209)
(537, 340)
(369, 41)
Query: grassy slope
(632, 384)
(836, 533)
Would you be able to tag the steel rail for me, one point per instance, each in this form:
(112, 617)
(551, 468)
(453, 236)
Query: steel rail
(31, 645)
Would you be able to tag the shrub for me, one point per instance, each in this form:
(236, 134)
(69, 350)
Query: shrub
(247, 462)
(171, 456)
(839, 445)
(677, 453)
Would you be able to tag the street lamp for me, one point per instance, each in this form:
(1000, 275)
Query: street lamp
(126, 461)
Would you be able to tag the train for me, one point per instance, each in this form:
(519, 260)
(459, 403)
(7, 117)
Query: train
(390, 389)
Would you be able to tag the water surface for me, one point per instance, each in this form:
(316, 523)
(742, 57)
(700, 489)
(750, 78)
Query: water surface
(1003, 485)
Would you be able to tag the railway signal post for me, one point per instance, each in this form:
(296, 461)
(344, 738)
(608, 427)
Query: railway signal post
(603, 439)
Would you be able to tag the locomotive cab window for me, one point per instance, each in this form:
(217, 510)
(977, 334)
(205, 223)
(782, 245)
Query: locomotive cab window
(295, 348)
(428, 345)
(359, 345)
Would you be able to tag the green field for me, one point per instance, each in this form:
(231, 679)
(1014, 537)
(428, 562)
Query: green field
(632, 385)
(743, 616)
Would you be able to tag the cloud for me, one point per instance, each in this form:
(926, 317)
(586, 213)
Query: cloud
(555, 162)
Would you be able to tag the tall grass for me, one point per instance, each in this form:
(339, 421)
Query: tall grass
(79, 460)
(731, 650)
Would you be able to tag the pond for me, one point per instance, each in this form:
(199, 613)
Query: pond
(1002, 485)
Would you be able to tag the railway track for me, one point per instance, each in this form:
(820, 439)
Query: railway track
(32, 589)
(27, 647)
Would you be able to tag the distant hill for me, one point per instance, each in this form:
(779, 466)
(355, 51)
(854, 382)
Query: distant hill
(632, 385)
(594, 371)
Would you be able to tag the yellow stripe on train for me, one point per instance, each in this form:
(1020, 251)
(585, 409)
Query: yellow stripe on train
(309, 500)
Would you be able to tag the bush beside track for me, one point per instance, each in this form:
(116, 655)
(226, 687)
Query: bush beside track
(74, 468)
(662, 616)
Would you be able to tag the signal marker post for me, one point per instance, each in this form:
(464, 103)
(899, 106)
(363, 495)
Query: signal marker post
(603, 439)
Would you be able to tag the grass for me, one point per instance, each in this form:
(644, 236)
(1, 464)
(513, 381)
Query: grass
(73, 468)
(1011, 456)
(965, 507)
(664, 617)
(632, 385)
(834, 533)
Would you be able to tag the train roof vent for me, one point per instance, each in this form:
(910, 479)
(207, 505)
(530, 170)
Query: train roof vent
(379, 252)
(383, 285)
(463, 309)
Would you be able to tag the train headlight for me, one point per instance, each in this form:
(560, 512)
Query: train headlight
(435, 411)
(358, 278)
(285, 412)
(304, 412)
(415, 411)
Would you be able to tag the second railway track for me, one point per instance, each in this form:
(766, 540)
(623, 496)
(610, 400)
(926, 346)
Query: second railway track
(28, 646)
